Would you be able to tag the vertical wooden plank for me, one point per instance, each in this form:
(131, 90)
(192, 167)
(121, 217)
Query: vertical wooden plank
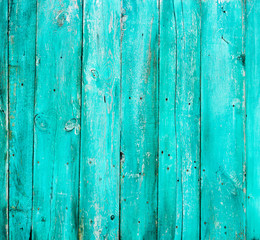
(223, 110)
(100, 138)
(179, 166)
(57, 119)
(167, 175)
(253, 117)
(139, 133)
(22, 34)
(188, 16)
(4, 119)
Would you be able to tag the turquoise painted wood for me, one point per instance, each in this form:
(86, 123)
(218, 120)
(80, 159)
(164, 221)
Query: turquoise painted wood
(252, 120)
(168, 181)
(187, 110)
(223, 116)
(22, 34)
(100, 127)
(129, 119)
(139, 116)
(57, 119)
(4, 227)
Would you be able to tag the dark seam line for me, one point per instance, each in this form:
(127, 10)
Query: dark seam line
(244, 163)
(35, 86)
(8, 117)
(81, 104)
(158, 120)
(120, 121)
(200, 122)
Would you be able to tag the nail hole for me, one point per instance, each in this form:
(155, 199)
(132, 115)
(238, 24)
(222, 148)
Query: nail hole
(162, 152)
(54, 90)
(129, 97)
(21, 84)
(168, 168)
(112, 217)
(169, 155)
(166, 99)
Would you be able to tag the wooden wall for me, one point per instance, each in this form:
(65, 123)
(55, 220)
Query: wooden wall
(130, 119)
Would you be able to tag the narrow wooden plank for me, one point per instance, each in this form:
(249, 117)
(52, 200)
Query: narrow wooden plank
(57, 119)
(188, 18)
(167, 175)
(22, 34)
(223, 111)
(4, 119)
(139, 133)
(253, 117)
(179, 165)
(100, 138)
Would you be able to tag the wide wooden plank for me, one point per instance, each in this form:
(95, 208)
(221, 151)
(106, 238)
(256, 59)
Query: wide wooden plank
(223, 116)
(57, 119)
(4, 119)
(139, 130)
(22, 34)
(253, 119)
(100, 138)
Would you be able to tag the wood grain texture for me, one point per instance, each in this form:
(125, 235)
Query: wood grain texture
(3, 119)
(253, 117)
(179, 165)
(139, 130)
(129, 119)
(223, 111)
(100, 129)
(22, 34)
(57, 119)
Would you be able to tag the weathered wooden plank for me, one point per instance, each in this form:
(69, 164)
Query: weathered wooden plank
(100, 138)
(223, 110)
(188, 18)
(57, 119)
(253, 118)
(4, 119)
(179, 128)
(22, 34)
(167, 175)
(139, 133)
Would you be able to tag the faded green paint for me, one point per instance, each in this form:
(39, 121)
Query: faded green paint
(100, 132)
(139, 128)
(222, 125)
(57, 119)
(22, 34)
(129, 119)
